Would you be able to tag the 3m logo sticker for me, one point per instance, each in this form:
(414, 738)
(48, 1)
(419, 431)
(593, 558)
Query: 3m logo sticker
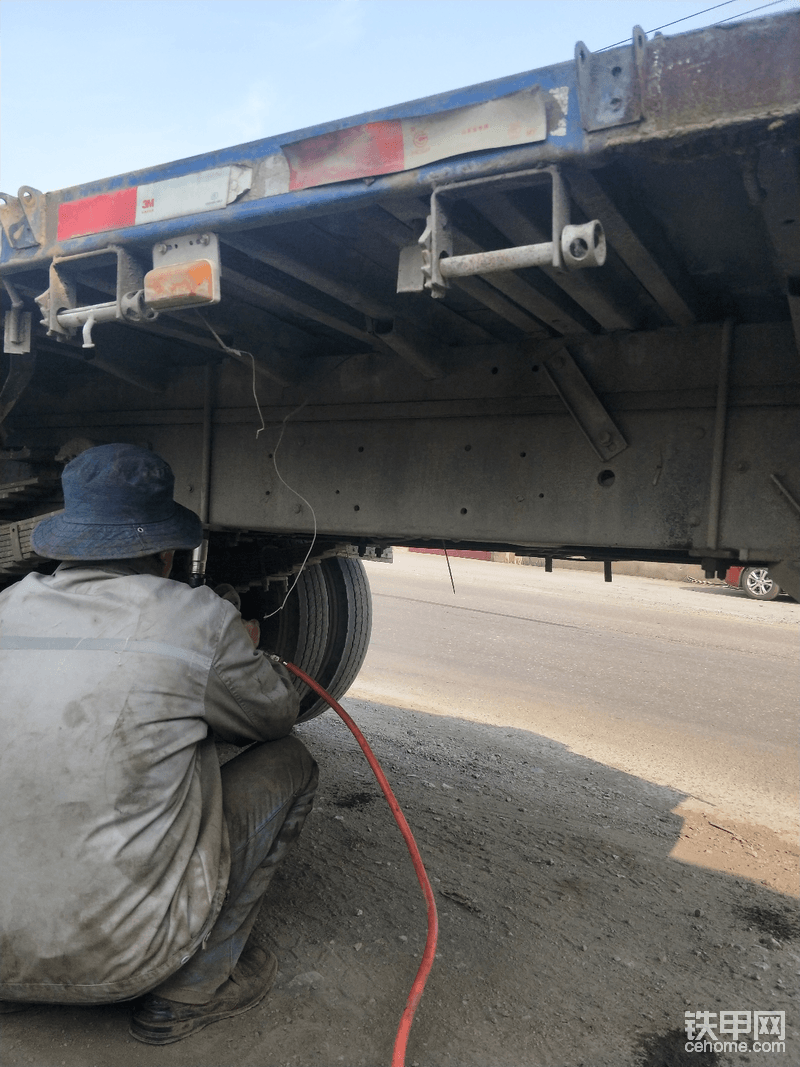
(171, 198)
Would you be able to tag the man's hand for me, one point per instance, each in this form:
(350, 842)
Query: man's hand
(253, 627)
(227, 592)
(280, 669)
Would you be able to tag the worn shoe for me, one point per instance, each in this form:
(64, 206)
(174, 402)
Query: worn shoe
(158, 1021)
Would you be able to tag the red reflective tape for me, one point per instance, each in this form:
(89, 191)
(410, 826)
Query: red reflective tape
(109, 211)
(376, 148)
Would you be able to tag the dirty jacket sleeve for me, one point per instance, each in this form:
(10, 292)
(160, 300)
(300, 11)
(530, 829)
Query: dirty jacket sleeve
(246, 698)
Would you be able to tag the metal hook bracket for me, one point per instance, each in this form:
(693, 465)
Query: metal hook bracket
(61, 313)
(430, 263)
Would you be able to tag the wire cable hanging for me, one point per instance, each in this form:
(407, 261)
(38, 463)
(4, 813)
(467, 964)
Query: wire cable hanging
(241, 355)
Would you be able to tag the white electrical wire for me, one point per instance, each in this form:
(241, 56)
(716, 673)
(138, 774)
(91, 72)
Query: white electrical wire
(291, 490)
(241, 355)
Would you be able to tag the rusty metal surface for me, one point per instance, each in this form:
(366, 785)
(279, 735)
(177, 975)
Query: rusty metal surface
(722, 74)
(610, 83)
(504, 259)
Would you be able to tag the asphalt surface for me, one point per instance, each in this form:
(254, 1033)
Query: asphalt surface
(691, 686)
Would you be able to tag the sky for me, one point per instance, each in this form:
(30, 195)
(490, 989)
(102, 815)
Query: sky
(93, 88)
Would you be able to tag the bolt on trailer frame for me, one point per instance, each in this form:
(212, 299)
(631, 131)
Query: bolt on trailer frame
(557, 314)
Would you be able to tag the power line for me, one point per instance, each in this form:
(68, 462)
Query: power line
(705, 10)
(750, 12)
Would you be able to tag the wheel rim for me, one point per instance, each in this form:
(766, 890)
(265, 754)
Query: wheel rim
(759, 581)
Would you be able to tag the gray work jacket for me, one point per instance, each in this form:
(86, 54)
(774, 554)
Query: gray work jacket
(114, 852)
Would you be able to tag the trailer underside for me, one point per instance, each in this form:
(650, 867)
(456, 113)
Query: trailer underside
(644, 409)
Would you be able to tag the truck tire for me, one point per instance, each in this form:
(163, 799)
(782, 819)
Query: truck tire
(324, 629)
(350, 629)
(300, 631)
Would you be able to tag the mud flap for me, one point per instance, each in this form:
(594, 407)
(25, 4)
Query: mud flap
(787, 575)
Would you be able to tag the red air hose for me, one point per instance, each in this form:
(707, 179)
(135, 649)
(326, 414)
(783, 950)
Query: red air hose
(415, 994)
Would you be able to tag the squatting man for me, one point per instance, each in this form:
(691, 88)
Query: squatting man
(132, 867)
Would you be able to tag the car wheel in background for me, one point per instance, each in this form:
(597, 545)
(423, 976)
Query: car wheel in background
(758, 585)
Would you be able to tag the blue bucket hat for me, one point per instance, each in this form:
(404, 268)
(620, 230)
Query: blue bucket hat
(117, 505)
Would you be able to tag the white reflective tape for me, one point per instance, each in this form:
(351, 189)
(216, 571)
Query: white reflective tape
(374, 148)
(272, 176)
(392, 145)
(206, 190)
(519, 118)
(561, 95)
(103, 644)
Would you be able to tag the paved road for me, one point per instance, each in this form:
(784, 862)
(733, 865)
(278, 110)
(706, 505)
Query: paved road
(692, 686)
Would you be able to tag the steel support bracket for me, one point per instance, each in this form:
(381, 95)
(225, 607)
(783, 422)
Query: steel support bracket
(582, 403)
(430, 263)
(611, 83)
(61, 313)
(436, 243)
(17, 323)
(17, 330)
(23, 218)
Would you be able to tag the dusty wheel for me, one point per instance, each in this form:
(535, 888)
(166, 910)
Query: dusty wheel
(324, 628)
(300, 631)
(758, 585)
(350, 617)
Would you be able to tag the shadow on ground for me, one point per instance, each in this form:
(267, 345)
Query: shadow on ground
(712, 589)
(568, 935)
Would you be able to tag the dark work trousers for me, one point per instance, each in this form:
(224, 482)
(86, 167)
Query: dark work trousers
(267, 792)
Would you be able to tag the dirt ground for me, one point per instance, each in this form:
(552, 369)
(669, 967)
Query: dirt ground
(583, 911)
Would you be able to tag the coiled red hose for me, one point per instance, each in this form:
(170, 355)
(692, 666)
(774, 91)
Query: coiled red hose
(415, 993)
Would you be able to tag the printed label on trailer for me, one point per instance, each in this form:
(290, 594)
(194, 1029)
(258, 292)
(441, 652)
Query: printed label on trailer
(359, 152)
(401, 144)
(190, 194)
